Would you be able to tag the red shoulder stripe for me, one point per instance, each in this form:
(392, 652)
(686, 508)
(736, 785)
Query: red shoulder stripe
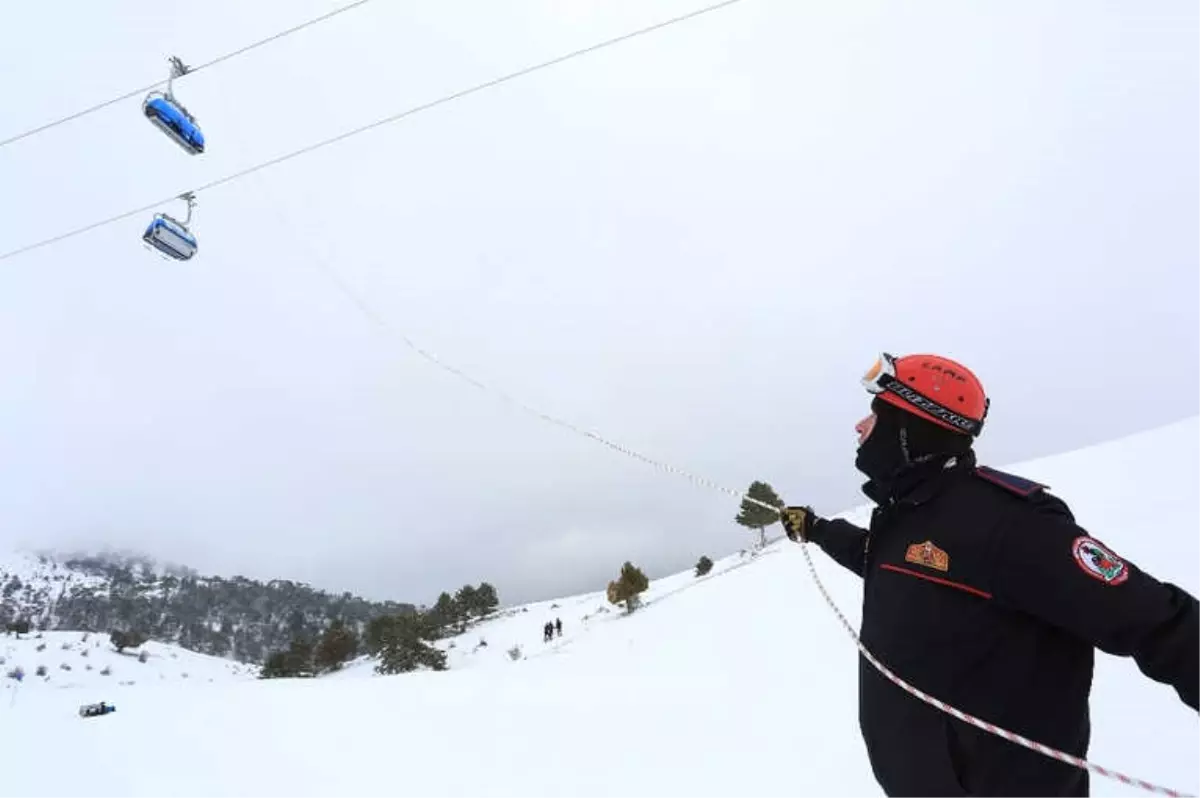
(1010, 482)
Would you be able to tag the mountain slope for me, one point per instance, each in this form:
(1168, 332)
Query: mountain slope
(240, 618)
(739, 683)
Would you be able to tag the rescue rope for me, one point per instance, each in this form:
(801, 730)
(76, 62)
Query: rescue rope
(1013, 737)
(696, 479)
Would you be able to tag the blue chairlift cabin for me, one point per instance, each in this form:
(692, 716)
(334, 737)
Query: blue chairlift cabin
(172, 237)
(166, 113)
(170, 116)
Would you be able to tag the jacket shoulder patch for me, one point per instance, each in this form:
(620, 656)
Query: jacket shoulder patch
(1099, 561)
(1011, 482)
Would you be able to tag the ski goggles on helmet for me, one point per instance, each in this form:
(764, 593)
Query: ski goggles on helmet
(881, 380)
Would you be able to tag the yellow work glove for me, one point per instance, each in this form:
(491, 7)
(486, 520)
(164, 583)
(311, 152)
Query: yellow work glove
(797, 522)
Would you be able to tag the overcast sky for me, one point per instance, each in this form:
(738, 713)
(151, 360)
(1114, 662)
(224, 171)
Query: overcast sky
(694, 243)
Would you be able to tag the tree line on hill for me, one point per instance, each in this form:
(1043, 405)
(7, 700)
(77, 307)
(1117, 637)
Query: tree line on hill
(246, 619)
(400, 641)
(239, 618)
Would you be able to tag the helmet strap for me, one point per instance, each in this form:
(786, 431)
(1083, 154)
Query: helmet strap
(920, 401)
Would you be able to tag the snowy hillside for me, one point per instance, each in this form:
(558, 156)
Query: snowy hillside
(90, 662)
(31, 586)
(488, 644)
(738, 683)
(238, 618)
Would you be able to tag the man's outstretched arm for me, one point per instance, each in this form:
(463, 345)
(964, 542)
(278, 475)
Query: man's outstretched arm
(840, 539)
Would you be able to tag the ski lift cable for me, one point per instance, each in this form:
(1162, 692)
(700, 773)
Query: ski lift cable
(448, 98)
(701, 481)
(190, 70)
(379, 321)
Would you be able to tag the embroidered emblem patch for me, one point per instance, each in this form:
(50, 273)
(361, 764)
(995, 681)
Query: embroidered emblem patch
(1098, 562)
(928, 555)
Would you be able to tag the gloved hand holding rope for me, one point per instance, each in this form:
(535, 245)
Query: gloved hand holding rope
(797, 522)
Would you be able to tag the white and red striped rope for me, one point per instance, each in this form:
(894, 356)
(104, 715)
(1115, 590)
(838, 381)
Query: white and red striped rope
(982, 724)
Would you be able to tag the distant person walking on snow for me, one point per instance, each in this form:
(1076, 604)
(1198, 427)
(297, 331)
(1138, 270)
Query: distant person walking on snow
(980, 589)
(558, 626)
(548, 632)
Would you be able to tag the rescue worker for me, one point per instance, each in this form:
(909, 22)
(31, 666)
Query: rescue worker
(980, 590)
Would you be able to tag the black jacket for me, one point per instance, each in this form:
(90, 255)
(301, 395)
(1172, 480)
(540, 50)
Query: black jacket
(980, 589)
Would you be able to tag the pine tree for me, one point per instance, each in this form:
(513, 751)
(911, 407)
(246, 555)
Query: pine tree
(299, 657)
(338, 644)
(122, 640)
(755, 516)
(443, 614)
(403, 648)
(276, 666)
(466, 605)
(487, 597)
(374, 635)
(703, 565)
(627, 587)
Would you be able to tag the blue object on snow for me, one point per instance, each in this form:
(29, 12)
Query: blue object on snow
(95, 710)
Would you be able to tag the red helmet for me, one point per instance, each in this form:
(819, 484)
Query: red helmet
(935, 388)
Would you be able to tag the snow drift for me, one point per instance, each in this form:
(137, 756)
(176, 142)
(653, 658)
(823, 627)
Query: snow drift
(59, 660)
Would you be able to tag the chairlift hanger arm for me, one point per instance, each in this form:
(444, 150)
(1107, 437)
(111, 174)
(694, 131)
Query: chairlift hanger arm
(190, 198)
(178, 70)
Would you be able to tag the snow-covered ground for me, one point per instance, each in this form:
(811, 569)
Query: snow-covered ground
(738, 683)
(89, 661)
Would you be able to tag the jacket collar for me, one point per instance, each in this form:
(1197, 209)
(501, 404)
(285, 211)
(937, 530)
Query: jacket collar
(918, 483)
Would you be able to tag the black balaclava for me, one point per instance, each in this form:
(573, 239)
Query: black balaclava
(901, 444)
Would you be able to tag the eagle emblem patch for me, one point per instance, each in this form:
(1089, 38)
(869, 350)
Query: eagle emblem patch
(928, 555)
(1098, 562)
